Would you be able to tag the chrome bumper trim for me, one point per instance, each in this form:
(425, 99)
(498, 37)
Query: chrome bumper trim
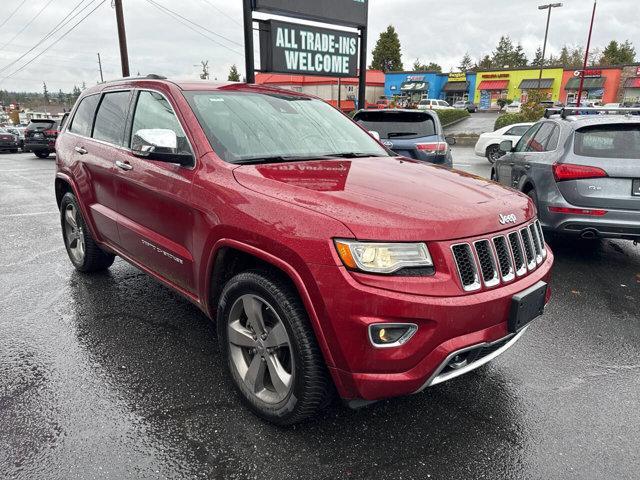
(438, 378)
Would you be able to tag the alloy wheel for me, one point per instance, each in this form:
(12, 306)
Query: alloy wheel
(260, 348)
(74, 236)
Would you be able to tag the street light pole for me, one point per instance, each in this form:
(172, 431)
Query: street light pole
(586, 55)
(546, 34)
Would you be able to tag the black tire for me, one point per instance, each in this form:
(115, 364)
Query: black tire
(494, 175)
(493, 153)
(94, 259)
(310, 388)
(41, 153)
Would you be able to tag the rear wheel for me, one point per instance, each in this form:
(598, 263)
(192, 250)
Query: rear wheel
(83, 251)
(41, 153)
(270, 350)
(494, 153)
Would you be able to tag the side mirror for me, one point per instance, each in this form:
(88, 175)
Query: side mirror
(506, 146)
(159, 144)
(375, 135)
(451, 140)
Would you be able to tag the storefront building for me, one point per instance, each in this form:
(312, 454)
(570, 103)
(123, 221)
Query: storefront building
(417, 85)
(329, 88)
(515, 84)
(629, 92)
(600, 85)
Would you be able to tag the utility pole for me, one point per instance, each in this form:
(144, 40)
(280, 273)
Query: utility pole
(546, 34)
(362, 86)
(122, 38)
(586, 55)
(100, 67)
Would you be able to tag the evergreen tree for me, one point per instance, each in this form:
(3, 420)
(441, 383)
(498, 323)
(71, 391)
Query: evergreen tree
(576, 58)
(387, 54)
(466, 63)
(426, 67)
(565, 56)
(45, 93)
(537, 60)
(503, 55)
(485, 63)
(618, 53)
(234, 76)
(519, 57)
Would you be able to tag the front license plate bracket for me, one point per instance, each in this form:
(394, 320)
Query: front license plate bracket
(527, 306)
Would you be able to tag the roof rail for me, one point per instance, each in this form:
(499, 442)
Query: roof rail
(564, 112)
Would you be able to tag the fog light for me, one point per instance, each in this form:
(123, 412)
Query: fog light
(391, 334)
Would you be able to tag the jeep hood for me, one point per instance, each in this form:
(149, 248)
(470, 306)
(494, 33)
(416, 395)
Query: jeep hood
(391, 198)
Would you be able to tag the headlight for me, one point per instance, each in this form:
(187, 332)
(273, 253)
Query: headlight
(383, 257)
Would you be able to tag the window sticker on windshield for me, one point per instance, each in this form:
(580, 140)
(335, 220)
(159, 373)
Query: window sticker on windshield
(216, 99)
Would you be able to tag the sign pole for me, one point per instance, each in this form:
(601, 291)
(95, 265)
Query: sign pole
(248, 41)
(362, 87)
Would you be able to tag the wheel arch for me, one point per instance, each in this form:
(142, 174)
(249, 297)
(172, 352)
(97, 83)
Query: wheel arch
(229, 257)
(64, 184)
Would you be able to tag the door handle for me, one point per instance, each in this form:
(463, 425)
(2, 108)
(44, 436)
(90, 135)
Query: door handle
(81, 150)
(123, 165)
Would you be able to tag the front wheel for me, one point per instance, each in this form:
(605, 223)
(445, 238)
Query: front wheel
(41, 153)
(270, 350)
(82, 249)
(494, 153)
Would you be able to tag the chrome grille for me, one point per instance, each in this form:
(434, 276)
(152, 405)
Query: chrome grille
(499, 259)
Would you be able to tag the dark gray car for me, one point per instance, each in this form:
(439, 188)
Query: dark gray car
(413, 134)
(582, 172)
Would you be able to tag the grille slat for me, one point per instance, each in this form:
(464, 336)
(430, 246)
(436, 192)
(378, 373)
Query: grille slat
(466, 264)
(489, 261)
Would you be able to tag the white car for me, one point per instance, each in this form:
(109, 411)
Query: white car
(433, 104)
(488, 144)
(513, 107)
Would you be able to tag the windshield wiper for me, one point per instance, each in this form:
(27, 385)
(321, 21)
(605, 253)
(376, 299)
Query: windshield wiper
(279, 159)
(354, 155)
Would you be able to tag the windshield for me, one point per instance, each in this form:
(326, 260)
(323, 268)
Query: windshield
(397, 124)
(244, 126)
(608, 141)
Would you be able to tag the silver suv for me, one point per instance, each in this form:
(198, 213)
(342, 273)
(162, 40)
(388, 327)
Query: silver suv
(581, 170)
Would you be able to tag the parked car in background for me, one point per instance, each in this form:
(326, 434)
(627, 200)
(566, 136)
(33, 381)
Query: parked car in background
(612, 105)
(488, 144)
(40, 137)
(8, 141)
(582, 172)
(410, 133)
(383, 103)
(513, 107)
(19, 133)
(433, 104)
(466, 105)
(327, 262)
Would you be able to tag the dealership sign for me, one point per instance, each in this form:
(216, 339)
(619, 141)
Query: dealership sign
(304, 49)
(352, 13)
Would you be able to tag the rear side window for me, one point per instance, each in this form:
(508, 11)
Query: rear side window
(397, 124)
(83, 119)
(111, 118)
(608, 141)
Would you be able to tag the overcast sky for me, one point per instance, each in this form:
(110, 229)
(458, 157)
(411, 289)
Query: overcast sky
(439, 31)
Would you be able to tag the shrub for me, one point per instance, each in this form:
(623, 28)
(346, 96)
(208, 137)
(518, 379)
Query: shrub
(450, 115)
(533, 110)
(504, 101)
(509, 119)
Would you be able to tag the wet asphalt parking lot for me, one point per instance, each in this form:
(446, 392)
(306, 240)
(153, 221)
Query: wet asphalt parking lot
(114, 376)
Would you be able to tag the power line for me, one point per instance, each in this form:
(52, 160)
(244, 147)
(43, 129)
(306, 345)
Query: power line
(167, 11)
(197, 25)
(54, 42)
(62, 23)
(26, 25)
(12, 13)
(222, 12)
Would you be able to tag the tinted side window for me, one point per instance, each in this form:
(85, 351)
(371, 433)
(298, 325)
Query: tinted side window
(83, 118)
(522, 144)
(111, 118)
(539, 141)
(153, 111)
(552, 144)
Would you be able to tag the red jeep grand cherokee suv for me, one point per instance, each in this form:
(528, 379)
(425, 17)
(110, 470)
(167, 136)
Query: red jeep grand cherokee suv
(327, 261)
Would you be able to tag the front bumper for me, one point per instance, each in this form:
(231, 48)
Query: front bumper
(8, 145)
(446, 325)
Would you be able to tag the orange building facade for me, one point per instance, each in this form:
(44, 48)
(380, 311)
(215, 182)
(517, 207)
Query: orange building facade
(601, 85)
